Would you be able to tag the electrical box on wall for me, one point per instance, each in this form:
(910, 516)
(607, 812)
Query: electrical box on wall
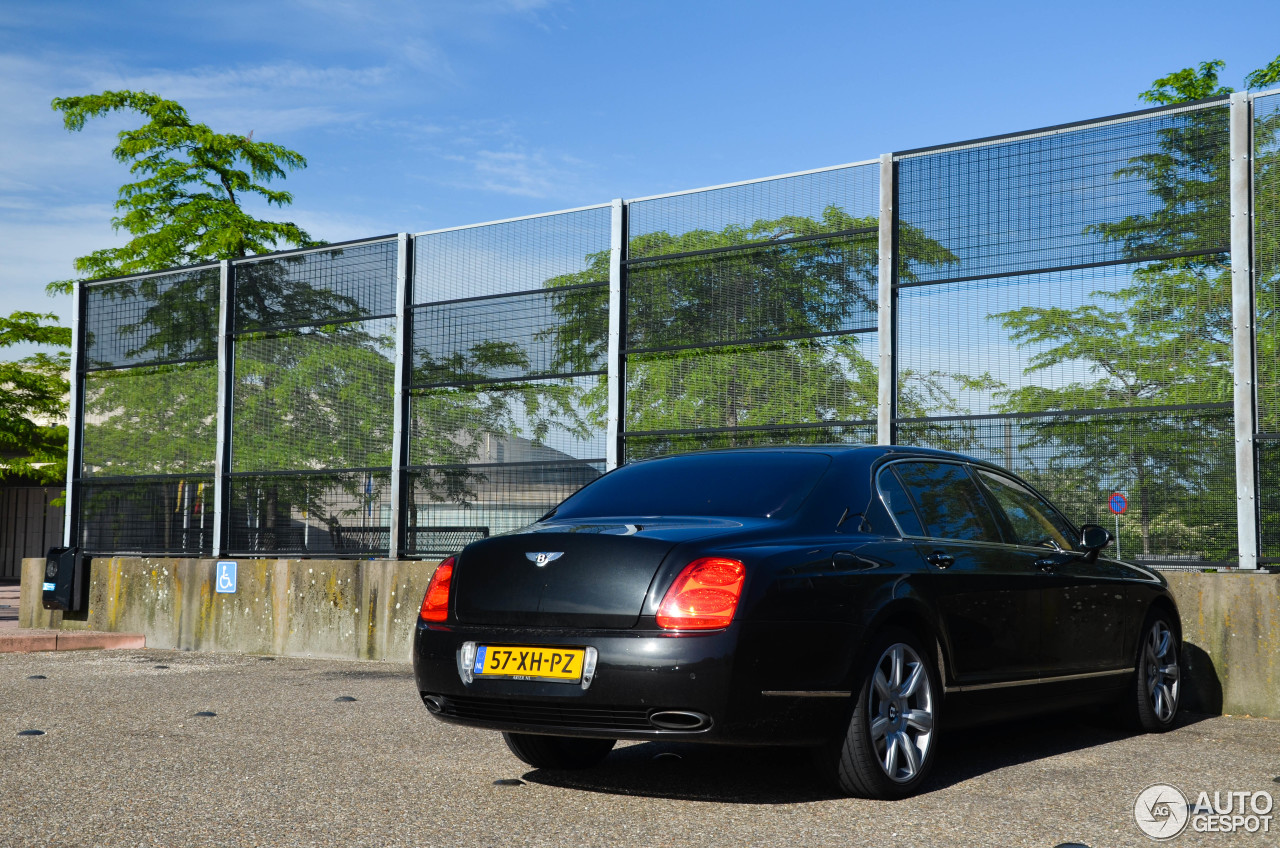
(66, 580)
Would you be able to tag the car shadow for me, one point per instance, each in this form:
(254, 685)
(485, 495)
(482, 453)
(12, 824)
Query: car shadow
(728, 775)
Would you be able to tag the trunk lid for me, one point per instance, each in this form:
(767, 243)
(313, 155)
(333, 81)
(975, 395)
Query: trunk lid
(590, 575)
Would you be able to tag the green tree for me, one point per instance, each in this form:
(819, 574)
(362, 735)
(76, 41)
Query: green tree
(1164, 339)
(185, 207)
(33, 410)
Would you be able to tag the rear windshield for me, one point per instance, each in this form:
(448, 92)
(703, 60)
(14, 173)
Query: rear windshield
(746, 485)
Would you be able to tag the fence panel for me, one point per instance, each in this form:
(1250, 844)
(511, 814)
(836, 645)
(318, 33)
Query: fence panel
(507, 380)
(1077, 281)
(313, 352)
(750, 314)
(150, 397)
(1266, 282)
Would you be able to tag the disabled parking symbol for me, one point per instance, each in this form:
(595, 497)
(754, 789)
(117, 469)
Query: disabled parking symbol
(226, 582)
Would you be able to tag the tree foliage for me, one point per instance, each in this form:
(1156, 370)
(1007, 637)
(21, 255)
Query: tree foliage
(33, 406)
(185, 206)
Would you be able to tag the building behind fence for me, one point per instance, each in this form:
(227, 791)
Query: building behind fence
(1093, 306)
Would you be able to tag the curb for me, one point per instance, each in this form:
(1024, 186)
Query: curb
(25, 641)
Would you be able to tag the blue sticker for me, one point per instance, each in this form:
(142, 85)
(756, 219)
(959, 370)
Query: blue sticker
(226, 582)
(48, 587)
(479, 667)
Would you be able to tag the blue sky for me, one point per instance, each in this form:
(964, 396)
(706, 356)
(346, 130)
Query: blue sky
(419, 115)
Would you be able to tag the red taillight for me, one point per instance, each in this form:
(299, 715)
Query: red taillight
(435, 604)
(704, 596)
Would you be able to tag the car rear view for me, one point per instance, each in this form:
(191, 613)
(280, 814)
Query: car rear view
(618, 616)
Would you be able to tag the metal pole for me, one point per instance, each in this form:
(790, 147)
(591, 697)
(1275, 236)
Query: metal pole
(617, 250)
(1242, 326)
(400, 402)
(887, 325)
(222, 454)
(75, 421)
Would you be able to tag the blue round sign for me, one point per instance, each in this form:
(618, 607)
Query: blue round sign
(1118, 503)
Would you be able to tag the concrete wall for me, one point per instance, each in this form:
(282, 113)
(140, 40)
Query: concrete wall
(366, 609)
(1231, 638)
(341, 609)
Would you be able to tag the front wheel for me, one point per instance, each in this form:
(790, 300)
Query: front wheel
(558, 752)
(890, 743)
(1157, 683)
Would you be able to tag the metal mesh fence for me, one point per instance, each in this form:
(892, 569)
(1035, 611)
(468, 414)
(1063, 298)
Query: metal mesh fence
(1064, 309)
(450, 506)
(319, 397)
(1266, 282)
(659, 444)
(507, 367)
(826, 201)
(147, 515)
(793, 382)
(750, 307)
(1177, 469)
(148, 435)
(334, 514)
(1119, 336)
(543, 333)
(345, 283)
(160, 318)
(1269, 500)
(150, 420)
(1266, 259)
(798, 289)
(529, 254)
(1060, 199)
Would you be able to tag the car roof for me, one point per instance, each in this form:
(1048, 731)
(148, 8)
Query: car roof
(866, 452)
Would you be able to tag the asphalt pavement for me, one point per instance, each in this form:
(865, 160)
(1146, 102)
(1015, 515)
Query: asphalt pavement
(126, 759)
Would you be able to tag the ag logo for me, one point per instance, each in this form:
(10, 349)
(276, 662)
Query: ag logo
(544, 557)
(1161, 811)
(51, 568)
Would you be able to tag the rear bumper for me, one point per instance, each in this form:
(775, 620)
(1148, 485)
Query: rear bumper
(639, 674)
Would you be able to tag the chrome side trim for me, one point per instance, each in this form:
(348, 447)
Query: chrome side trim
(1035, 681)
(805, 693)
(1064, 678)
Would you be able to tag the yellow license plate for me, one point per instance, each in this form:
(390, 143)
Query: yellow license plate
(529, 663)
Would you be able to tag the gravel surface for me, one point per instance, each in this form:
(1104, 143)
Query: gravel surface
(125, 760)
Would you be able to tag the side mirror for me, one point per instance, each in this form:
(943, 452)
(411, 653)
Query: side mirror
(1094, 537)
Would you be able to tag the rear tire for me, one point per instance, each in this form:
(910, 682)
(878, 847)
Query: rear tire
(1155, 694)
(889, 747)
(558, 752)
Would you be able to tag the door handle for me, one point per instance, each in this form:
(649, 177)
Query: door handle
(1046, 563)
(941, 559)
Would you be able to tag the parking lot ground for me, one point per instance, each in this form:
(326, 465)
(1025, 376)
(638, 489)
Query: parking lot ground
(126, 760)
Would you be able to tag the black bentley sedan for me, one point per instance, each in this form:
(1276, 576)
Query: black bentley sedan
(864, 601)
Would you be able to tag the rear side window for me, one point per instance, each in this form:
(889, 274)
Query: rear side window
(768, 484)
(896, 499)
(948, 501)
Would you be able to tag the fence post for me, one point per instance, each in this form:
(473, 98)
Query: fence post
(400, 404)
(617, 254)
(888, 329)
(75, 420)
(222, 454)
(1242, 326)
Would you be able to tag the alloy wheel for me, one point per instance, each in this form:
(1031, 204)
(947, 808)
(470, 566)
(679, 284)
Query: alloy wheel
(900, 709)
(1163, 681)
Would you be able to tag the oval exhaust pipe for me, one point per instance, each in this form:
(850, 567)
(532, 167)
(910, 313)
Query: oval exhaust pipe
(680, 720)
(434, 703)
